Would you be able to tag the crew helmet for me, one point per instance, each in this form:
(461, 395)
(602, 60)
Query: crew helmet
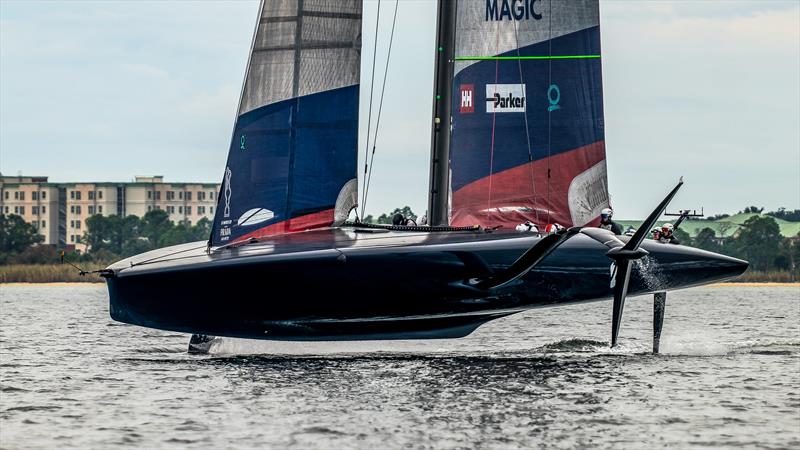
(606, 213)
(667, 228)
(552, 228)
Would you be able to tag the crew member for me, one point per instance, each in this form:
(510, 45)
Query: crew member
(528, 226)
(666, 235)
(607, 224)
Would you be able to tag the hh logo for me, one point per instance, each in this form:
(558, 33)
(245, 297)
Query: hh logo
(467, 98)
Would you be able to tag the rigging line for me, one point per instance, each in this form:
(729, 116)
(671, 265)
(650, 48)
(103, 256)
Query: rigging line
(549, 117)
(156, 258)
(527, 128)
(494, 116)
(371, 91)
(380, 108)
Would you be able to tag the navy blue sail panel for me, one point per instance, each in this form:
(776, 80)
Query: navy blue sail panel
(527, 127)
(292, 160)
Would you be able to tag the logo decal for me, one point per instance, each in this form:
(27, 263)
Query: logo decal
(553, 96)
(467, 99)
(225, 224)
(505, 98)
(498, 10)
(227, 211)
(255, 216)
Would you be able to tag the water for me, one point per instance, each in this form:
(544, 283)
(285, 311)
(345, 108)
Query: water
(729, 377)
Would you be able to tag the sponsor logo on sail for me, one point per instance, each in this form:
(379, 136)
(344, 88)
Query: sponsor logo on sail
(467, 99)
(505, 98)
(497, 10)
(553, 96)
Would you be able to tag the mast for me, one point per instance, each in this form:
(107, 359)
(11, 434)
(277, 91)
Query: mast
(442, 106)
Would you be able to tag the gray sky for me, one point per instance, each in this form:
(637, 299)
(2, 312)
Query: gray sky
(107, 90)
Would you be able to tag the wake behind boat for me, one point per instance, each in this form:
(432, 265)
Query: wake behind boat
(517, 137)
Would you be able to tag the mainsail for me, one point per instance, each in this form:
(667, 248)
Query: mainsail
(292, 160)
(527, 140)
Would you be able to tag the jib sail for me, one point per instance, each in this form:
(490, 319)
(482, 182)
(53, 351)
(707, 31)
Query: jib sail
(527, 139)
(292, 160)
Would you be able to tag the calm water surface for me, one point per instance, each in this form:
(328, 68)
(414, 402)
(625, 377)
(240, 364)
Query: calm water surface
(729, 377)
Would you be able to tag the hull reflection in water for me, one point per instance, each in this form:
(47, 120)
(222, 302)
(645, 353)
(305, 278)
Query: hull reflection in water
(350, 284)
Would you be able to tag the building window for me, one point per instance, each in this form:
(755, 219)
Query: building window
(170, 195)
(158, 195)
(201, 210)
(149, 208)
(22, 195)
(72, 195)
(211, 195)
(44, 224)
(180, 195)
(44, 195)
(16, 210)
(188, 210)
(77, 209)
(180, 209)
(35, 210)
(72, 238)
(91, 195)
(72, 209)
(171, 209)
(77, 224)
(211, 209)
(91, 209)
(44, 209)
(99, 209)
(100, 195)
(189, 196)
(149, 195)
(34, 195)
(21, 210)
(6, 209)
(6, 194)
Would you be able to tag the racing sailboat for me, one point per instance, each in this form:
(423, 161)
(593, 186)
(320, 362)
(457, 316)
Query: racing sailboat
(517, 136)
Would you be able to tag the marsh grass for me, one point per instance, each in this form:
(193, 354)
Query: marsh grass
(48, 273)
(759, 276)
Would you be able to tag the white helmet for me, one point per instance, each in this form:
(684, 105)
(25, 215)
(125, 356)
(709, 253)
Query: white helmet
(607, 213)
(667, 227)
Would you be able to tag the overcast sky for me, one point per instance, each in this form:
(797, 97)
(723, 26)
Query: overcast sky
(104, 91)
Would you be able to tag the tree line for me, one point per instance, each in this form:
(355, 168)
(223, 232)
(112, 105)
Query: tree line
(110, 238)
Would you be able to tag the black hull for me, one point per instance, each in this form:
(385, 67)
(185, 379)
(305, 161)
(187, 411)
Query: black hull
(340, 285)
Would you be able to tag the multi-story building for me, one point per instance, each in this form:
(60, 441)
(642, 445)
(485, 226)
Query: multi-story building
(59, 210)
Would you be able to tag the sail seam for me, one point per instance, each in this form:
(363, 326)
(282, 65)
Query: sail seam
(319, 14)
(524, 57)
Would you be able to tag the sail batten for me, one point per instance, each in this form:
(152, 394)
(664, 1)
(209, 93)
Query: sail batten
(293, 150)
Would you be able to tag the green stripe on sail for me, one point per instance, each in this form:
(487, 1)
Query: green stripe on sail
(517, 58)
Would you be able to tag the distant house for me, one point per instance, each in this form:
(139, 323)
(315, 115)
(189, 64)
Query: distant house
(59, 210)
